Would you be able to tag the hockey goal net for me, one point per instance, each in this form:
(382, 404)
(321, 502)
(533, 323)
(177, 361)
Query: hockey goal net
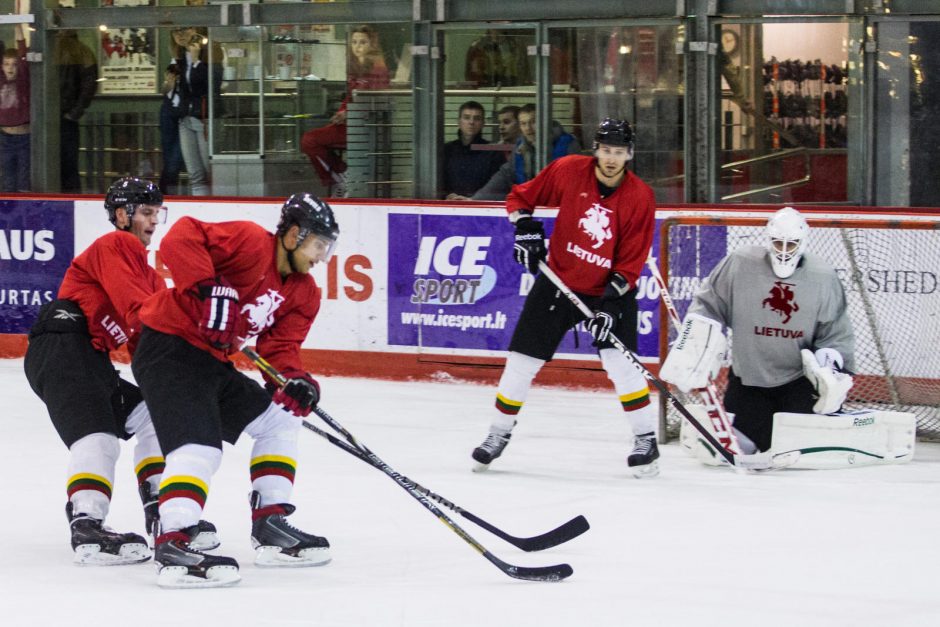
(890, 270)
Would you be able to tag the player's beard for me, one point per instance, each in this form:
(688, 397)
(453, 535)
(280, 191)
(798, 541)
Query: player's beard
(615, 175)
(293, 264)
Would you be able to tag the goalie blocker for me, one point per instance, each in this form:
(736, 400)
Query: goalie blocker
(845, 440)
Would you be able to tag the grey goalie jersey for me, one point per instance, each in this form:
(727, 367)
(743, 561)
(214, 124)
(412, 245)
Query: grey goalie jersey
(772, 318)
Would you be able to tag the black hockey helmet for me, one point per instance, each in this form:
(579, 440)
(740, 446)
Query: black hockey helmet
(130, 192)
(311, 214)
(613, 132)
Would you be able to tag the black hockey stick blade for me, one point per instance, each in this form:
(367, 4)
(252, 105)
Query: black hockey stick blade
(557, 572)
(568, 531)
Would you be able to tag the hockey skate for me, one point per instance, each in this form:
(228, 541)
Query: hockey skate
(206, 537)
(97, 545)
(277, 543)
(642, 459)
(179, 565)
(492, 447)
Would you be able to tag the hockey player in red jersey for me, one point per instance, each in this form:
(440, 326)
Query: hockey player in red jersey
(69, 367)
(233, 281)
(601, 239)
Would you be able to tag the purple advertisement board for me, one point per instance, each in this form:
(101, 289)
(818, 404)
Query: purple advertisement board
(453, 283)
(37, 243)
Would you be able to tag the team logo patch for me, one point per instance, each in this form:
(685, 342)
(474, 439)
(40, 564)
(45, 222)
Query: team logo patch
(260, 313)
(596, 223)
(781, 300)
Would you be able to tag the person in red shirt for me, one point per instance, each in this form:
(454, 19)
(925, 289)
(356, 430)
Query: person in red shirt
(601, 239)
(233, 282)
(14, 117)
(366, 69)
(69, 367)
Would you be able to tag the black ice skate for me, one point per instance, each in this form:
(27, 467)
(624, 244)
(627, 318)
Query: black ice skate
(179, 565)
(97, 545)
(277, 543)
(206, 538)
(491, 448)
(642, 459)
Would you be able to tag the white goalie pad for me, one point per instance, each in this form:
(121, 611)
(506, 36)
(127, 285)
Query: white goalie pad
(846, 440)
(831, 386)
(696, 355)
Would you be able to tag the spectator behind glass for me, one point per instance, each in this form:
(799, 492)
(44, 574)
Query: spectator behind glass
(170, 110)
(78, 83)
(466, 170)
(521, 167)
(508, 119)
(14, 117)
(194, 111)
(365, 69)
(497, 59)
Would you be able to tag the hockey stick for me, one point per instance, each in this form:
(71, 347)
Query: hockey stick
(567, 531)
(354, 447)
(759, 462)
(709, 395)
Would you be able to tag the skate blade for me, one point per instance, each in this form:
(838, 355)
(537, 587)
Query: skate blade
(274, 557)
(205, 541)
(479, 467)
(178, 577)
(91, 555)
(646, 471)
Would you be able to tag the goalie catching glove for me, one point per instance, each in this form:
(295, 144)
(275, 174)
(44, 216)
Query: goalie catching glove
(219, 312)
(695, 358)
(299, 395)
(609, 308)
(824, 371)
(529, 248)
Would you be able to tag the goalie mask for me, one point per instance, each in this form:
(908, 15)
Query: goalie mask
(787, 236)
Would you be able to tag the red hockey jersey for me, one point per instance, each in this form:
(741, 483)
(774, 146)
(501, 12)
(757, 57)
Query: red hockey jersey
(592, 236)
(277, 311)
(110, 281)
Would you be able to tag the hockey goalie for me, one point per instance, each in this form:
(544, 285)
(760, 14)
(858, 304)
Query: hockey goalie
(791, 367)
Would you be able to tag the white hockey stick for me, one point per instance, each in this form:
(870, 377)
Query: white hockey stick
(709, 394)
(757, 463)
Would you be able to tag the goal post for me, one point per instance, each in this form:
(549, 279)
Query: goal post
(890, 270)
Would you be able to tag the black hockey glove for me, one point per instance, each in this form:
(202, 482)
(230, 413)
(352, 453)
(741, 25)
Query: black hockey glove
(529, 249)
(299, 395)
(608, 311)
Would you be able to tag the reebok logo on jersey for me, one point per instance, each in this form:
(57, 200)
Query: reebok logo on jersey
(781, 300)
(61, 314)
(596, 224)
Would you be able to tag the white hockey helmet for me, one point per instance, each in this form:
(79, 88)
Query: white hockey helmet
(787, 236)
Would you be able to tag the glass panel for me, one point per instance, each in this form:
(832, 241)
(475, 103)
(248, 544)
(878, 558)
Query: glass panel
(488, 76)
(626, 72)
(784, 112)
(906, 100)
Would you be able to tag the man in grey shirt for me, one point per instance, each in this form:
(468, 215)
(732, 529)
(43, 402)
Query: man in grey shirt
(777, 300)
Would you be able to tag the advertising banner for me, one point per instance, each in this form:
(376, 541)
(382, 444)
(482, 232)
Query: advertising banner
(36, 248)
(453, 284)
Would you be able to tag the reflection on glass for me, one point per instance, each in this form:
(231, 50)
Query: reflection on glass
(784, 112)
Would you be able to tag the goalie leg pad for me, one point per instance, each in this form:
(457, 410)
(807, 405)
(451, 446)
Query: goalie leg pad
(696, 355)
(848, 440)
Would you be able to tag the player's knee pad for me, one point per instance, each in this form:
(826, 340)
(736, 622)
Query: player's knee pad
(274, 422)
(96, 449)
(197, 460)
(522, 366)
(625, 376)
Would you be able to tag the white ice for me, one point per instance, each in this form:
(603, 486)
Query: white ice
(695, 547)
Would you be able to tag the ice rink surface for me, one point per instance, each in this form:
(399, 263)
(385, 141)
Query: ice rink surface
(694, 547)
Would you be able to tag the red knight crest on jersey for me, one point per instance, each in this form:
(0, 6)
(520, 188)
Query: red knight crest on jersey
(260, 313)
(596, 223)
(781, 300)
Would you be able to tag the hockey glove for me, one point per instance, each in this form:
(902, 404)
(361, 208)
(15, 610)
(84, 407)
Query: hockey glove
(608, 312)
(299, 395)
(219, 312)
(529, 248)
